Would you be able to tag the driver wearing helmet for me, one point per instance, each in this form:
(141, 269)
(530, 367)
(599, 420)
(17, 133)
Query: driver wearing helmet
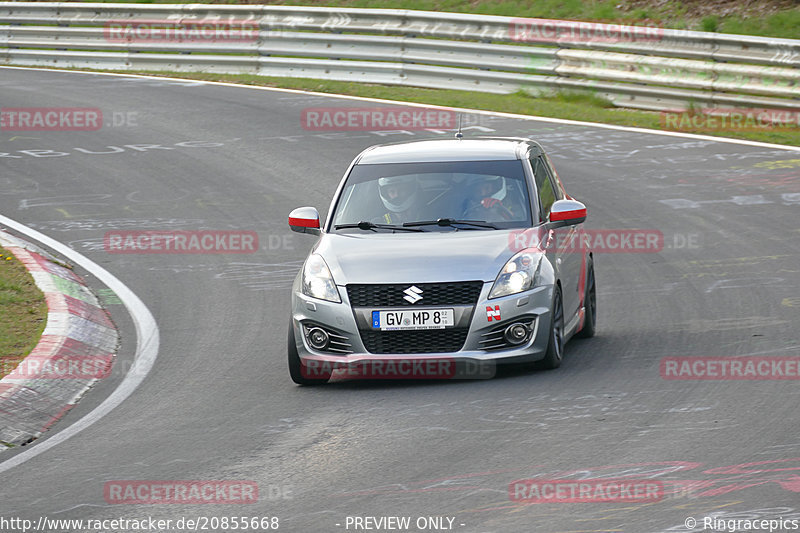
(400, 195)
(489, 200)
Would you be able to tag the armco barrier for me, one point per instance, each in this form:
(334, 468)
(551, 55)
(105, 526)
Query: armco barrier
(633, 66)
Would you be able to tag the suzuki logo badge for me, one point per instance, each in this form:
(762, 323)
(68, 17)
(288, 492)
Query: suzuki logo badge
(412, 294)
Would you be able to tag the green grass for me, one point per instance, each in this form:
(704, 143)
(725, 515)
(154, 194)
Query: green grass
(566, 105)
(674, 14)
(24, 312)
(710, 23)
(783, 24)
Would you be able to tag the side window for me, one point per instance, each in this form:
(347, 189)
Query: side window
(560, 194)
(544, 186)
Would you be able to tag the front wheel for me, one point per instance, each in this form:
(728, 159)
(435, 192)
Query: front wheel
(296, 369)
(555, 346)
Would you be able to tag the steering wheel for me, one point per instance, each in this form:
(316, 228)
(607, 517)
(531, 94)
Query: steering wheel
(488, 206)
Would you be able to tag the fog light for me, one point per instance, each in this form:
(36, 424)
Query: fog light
(517, 333)
(318, 338)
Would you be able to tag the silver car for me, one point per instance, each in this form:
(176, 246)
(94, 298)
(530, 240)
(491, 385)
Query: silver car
(440, 259)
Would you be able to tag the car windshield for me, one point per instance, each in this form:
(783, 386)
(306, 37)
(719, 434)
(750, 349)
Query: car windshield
(393, 194)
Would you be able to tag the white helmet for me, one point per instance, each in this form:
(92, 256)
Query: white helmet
(398, 193)
(501, 190)
(498, 184)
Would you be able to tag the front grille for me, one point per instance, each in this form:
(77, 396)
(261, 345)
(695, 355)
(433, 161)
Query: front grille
(415, 341)
(392, 295)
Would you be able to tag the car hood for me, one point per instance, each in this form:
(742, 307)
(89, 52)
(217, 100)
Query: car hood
(416, 257)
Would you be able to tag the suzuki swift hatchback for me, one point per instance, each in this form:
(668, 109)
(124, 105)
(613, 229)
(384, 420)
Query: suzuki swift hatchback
(465, 250)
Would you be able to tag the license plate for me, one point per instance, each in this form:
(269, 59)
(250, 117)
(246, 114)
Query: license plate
(417, 319)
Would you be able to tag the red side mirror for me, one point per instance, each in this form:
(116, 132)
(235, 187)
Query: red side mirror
(568, 212)
(305, 220)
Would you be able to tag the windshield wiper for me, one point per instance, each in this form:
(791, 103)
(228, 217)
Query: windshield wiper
(450, 222)
(365, 225)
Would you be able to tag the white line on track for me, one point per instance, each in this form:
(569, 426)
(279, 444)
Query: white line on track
(147, 339)
(431, 106)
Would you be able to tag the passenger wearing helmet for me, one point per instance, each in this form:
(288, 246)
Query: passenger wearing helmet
(400, 196)
(489, 200)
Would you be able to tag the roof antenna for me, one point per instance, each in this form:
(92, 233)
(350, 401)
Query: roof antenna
(460, 135)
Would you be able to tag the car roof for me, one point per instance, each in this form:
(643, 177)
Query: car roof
(471, 149)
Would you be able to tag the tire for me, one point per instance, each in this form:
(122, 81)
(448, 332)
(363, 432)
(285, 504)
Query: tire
(555, 344)
(590, 302)
(296, 365)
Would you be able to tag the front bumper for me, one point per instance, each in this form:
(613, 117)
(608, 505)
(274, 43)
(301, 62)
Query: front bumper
(482, 347)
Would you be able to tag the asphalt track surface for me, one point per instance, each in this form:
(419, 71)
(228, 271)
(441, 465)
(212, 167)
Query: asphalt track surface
(218, 403)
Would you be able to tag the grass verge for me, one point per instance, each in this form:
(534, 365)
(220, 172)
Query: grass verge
(24, 314)
(565, 105)
(774, 18)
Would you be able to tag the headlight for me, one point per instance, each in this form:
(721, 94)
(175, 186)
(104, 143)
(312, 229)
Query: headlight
(317, 280)
(518, 275)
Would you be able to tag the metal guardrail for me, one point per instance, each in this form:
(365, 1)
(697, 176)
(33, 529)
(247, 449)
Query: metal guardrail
(647, 68)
